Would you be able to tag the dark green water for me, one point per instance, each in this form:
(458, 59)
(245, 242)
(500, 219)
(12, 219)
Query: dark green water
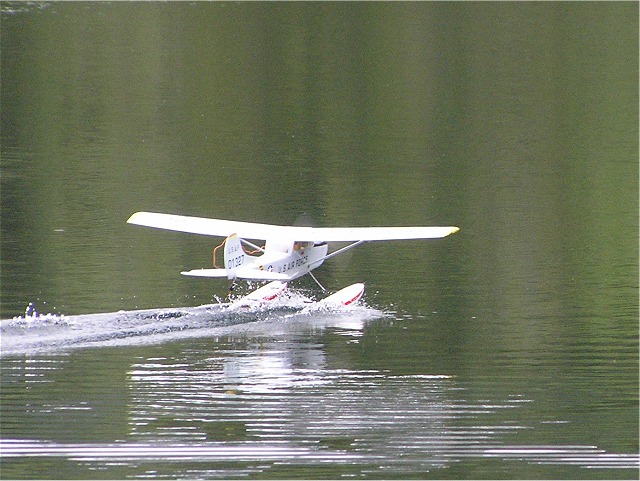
(509, 350)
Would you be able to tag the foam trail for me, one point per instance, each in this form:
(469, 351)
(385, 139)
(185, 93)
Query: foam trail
(45, 333)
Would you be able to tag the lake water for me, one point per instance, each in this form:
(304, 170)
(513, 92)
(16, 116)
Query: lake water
(508, 350)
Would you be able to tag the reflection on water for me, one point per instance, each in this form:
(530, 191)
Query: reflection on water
(271, 405)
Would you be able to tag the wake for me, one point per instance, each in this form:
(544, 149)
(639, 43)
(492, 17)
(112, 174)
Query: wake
(290, 312)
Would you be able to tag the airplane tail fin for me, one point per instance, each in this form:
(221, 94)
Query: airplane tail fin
(234, 255)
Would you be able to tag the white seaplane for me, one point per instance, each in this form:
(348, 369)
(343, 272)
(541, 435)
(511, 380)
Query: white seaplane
(289, 252)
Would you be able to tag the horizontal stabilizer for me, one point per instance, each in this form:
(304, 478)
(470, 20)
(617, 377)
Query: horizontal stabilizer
(251, 274)
(205, 273)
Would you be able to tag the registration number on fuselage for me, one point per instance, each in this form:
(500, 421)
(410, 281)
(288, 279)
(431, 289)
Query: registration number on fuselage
(236, 257)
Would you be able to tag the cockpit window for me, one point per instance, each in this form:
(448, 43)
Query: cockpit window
(301, 246)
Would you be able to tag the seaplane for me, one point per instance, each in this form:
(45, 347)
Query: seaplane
(288, 252)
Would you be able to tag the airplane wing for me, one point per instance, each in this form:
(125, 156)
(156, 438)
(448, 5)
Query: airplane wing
(204, 226)
(250, 230)
(354, 234)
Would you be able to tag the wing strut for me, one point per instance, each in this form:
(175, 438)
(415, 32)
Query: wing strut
(340, 251)
(317, 281)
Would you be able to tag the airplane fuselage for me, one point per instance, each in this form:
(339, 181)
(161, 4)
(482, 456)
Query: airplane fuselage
(292, 259)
